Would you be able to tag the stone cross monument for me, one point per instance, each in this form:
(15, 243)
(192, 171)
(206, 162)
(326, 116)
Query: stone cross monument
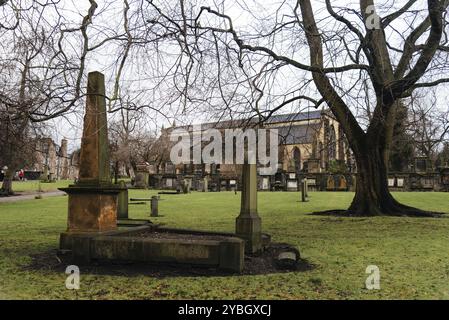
(93, 199)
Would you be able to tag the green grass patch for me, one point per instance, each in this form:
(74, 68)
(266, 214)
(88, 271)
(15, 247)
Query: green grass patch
(31, 186)
(412, 253)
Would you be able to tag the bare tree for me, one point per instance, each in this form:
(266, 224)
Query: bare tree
(123, 134)
(254, 59)
(45, 49)
(41, 75)
(428, 127)
(362, 65)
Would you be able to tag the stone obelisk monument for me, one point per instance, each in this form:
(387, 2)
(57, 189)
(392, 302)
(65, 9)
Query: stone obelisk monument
(93, 199)
(248, 224)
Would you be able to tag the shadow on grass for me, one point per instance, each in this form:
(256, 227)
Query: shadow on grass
(341, 213)
(333, 213)
(50, 261)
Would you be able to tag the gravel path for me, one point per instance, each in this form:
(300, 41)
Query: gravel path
(30, 196)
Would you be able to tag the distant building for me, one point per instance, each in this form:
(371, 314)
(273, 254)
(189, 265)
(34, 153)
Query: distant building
(311, 144)
(52, 161)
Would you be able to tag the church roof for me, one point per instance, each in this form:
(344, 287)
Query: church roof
(292, 117)
(298, 134)
(274, 119)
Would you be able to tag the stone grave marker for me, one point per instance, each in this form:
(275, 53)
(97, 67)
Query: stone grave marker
(142, 176)
(154, 206)
(205, 184)
(122, 212)
(93, 199)
(330, 186)
(248, 223)
(303, 190)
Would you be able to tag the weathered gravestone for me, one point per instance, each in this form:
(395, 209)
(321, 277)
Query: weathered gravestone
(142, 176)
(304, 190)
(330, 185)
(122, 212)
(342, 184)
(287, 257)
(185, 186)
(248, 223)
(154, 206)
(306, 187)
(93, 199)
(205, 184)
(391, 182)
(292, 182)
(313, 165)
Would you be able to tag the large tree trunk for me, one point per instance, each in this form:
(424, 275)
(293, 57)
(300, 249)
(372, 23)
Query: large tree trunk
(372, 196)
(7, 182)
(371, 148)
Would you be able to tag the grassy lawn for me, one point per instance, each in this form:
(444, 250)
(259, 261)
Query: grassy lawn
(412, 254)
(32, 186)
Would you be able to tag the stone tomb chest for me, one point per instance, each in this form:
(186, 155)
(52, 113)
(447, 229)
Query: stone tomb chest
(158, 245)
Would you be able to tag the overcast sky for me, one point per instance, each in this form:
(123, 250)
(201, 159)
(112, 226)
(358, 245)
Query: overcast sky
(245, 16)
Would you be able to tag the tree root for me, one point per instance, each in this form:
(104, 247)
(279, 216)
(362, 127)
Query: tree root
(404, 211)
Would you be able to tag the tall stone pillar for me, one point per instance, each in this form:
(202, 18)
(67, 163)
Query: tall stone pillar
(122, 211)
(93, 199)
(248, 224)
(94, 156)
